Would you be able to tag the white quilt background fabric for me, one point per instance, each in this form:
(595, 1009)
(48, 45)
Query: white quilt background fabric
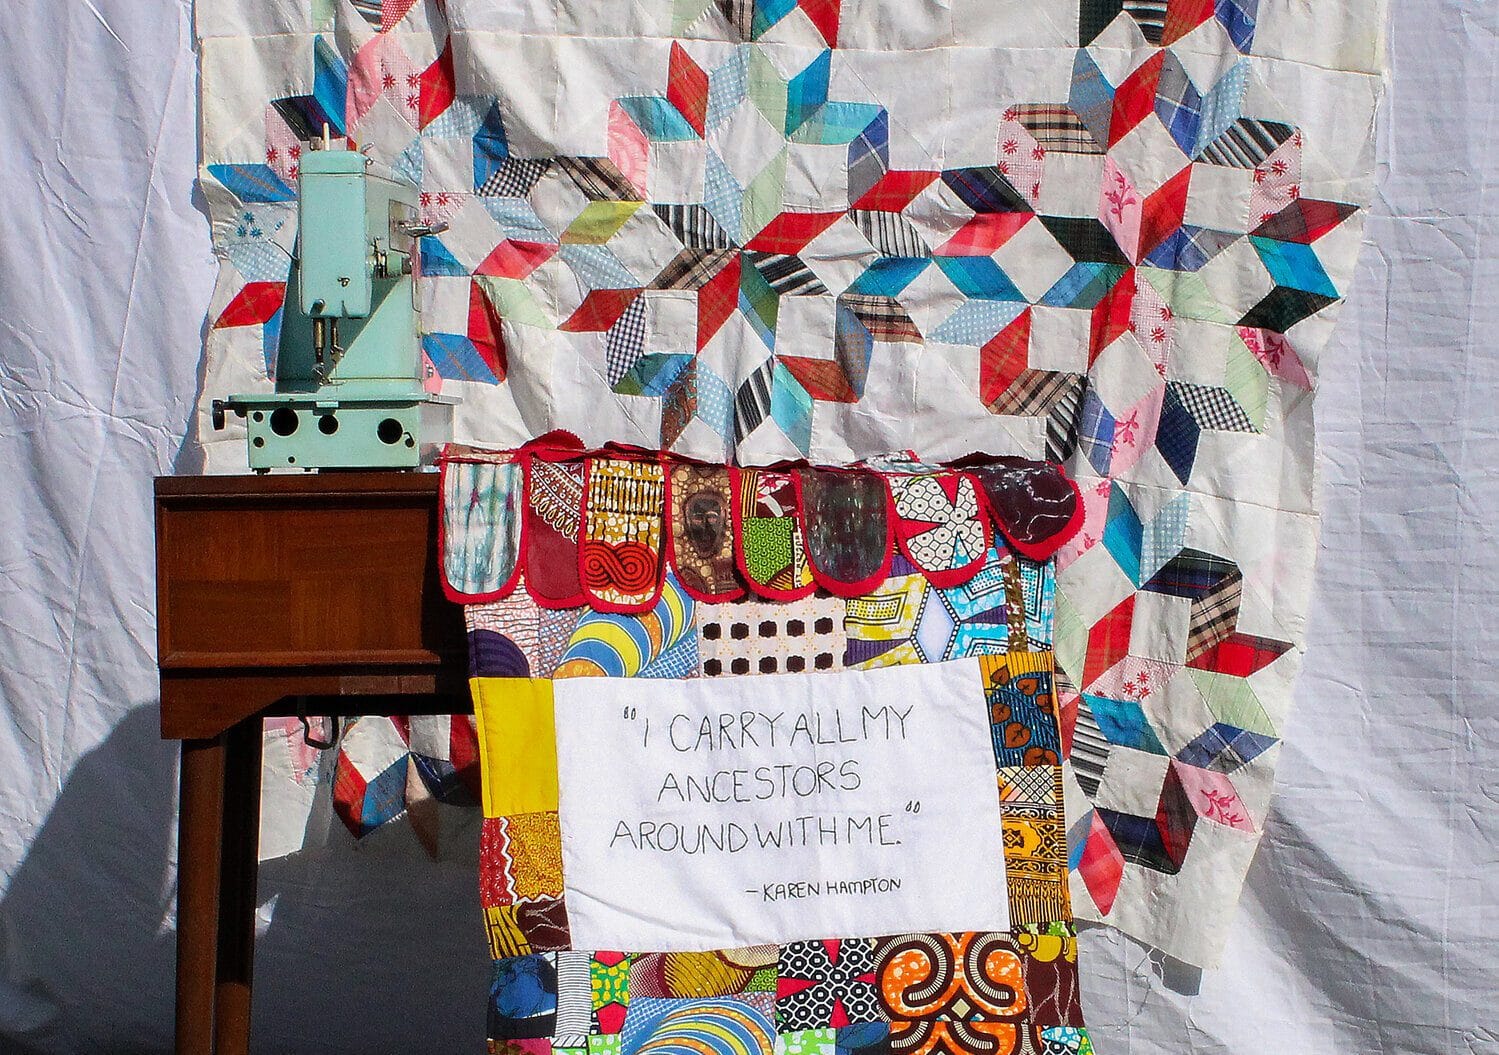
(1370, 922)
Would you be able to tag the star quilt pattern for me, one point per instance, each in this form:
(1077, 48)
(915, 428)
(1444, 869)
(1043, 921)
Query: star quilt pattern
(1112, 235)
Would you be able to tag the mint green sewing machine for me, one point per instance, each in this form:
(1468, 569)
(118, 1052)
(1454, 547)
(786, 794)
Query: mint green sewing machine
(348, 383)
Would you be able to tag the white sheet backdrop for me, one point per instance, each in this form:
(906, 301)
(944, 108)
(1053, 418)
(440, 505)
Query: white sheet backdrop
(1371, 919)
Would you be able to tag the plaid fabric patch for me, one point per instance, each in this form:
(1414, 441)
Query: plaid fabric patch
(1178, 103)
(985, 189)
(1223, 748)
(1036, 392)
(1190, 574)
(692, 268)
(694, 226)
(825, 379)
(1189, 248)
(1304, 220)
(1212, 408)
(1237, 18)
(1283, 307)
(1177, 435)
(863, 173)
(1215, 614)
(759, 303)
(1246, 143)
(890, 233)
(599, 179)
(868, 158)
(883, 317)
(514, 177)
(600, 310)
(788, 275)
(1240, 655)
(717, 300)
(1057, 128)
(1160, 842)
(1085, 239)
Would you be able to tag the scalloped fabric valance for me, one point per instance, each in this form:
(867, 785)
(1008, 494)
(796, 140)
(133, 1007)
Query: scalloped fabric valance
(602, 528)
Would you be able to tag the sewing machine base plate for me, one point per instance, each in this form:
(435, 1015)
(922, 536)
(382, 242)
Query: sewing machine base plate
(314, 432)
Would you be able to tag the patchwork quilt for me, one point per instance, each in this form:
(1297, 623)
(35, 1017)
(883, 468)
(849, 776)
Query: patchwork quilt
(1104, 233)
(796, 711)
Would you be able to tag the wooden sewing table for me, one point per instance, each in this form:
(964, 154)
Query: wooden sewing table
(314, 594)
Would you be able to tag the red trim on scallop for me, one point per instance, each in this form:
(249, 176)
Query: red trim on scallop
(737, 508)
(834, 586)
(563, 447)
(597, 603)
(951, 576)
(670, 546)
(451, 592)
(1045, 550)
(559, 445)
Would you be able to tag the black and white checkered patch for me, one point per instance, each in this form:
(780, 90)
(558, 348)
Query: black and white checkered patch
(514, 177)
(1212, 408)
(624, 344)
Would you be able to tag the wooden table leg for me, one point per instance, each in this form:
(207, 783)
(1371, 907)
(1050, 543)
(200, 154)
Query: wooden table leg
(239, 871)
(199, 832)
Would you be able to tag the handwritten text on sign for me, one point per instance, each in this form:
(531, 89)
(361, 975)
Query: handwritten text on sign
(715, 813)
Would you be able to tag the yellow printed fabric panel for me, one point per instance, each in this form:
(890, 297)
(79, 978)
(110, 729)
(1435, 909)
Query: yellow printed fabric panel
(1035, 841)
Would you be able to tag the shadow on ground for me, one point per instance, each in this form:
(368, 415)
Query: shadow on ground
(371, 947)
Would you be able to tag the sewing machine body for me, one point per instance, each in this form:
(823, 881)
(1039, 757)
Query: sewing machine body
(348, 385)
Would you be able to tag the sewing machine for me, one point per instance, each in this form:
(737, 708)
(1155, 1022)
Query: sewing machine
(348, 372)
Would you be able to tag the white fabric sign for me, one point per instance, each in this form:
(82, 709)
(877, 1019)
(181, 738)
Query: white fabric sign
(712, 814)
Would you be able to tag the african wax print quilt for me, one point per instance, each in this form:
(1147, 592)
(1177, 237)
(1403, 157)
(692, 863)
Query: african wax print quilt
(818, 802)
(1105, 233)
